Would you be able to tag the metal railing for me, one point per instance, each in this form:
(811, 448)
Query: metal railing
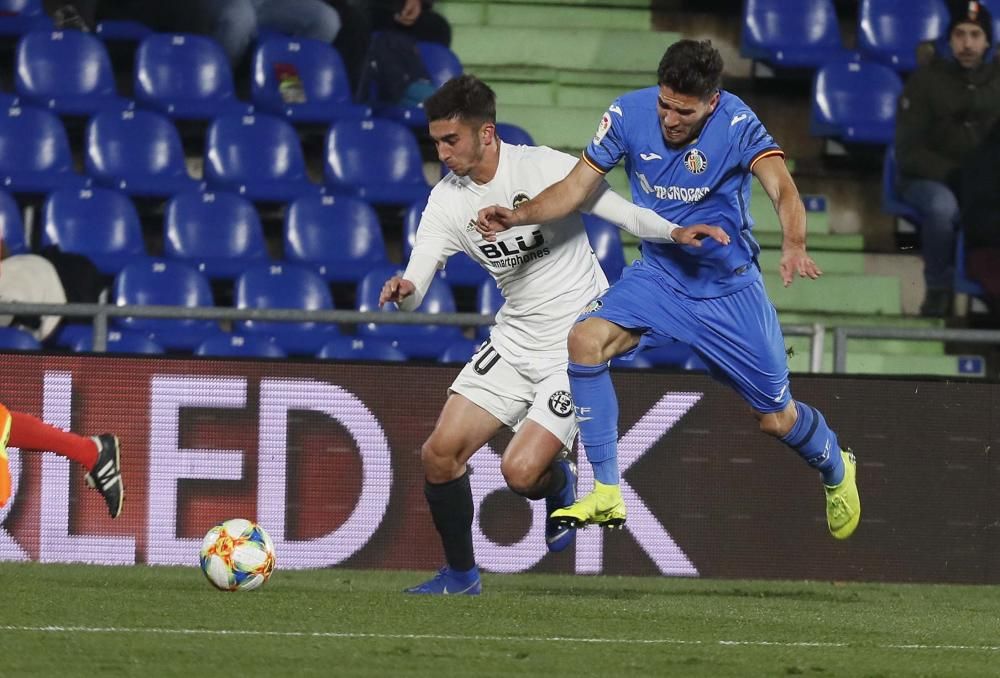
(816, 332)
(842, 334)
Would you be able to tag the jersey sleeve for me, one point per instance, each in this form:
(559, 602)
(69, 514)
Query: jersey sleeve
(436, 241)
(608, 146)
(752, 140)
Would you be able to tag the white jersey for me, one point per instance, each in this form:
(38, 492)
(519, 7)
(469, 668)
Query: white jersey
(547, 273)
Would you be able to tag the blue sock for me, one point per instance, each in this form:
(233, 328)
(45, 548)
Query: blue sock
(816, 443)
(597, 415)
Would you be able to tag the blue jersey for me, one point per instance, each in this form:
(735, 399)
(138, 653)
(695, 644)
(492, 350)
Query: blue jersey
(705, 182)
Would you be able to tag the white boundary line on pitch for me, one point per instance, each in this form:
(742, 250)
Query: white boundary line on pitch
(347, 635)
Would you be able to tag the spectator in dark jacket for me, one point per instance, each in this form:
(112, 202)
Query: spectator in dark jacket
(946, 110)
(415, 18)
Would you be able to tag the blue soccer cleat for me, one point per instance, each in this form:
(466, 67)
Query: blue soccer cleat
(449, 582)
(558, 534)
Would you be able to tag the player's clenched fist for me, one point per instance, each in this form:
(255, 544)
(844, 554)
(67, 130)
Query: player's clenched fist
(395, 289)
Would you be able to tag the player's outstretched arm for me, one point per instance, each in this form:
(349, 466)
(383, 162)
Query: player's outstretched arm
(777, 182)
(553, 203)
(646, 224)
(395, 290)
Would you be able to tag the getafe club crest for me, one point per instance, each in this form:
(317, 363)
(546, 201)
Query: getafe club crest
(695, 161)
(519, 199)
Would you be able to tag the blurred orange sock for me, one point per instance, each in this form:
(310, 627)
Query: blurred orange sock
(5, 420)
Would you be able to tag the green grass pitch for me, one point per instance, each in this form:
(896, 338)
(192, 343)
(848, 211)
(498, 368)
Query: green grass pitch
(70, 620)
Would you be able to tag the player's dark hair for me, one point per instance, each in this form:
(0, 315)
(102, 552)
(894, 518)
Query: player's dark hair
(691, 67)
(465, 98)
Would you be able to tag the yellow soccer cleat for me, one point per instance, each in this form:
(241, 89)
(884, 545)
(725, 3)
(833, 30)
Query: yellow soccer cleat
(843, 505)
(604, 506)
(5, 484)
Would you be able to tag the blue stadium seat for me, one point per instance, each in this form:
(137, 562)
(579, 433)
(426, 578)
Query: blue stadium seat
(340, 236)
(790, 33)
(122, 30)
(120, 341)
(13, 339)
(514, 135)
(98, 223)
(240, 346)
(69, 332)
(186, 77)
(855, 101)
(165, 283)
(320, 71)
(258, 156)
(358, 348)
(138, 152)
(441, 63)
(68, 72)
(458, 351)
(376, 160)
(11, 225)
(488, 302)
(892, 202)
(34, 152)
(285, 285)
(417, 341)
(22, 16)
(220, 234)
(890, 30)
(460, 269)
(962, 283)
(606, 241)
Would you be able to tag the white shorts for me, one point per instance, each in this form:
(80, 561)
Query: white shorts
(540, 393)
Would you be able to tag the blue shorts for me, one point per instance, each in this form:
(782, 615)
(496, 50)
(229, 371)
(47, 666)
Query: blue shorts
(738, 336)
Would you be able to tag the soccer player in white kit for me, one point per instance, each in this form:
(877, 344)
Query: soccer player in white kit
(547, 274)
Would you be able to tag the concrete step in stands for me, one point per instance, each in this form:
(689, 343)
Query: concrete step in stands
(516, 15)
(574, 49)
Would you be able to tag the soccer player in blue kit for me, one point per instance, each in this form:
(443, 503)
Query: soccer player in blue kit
(690, 151)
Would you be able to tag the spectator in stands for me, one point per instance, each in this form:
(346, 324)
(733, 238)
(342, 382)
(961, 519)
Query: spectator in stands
(49, 277)
(31, 279)
(946, 109)
(414, 18)
(234, 23)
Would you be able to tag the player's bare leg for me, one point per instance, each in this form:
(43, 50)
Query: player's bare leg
(592, 343)
(462, 428)
(535, 467)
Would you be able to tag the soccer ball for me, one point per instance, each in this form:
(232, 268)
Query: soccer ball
(237, 555)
